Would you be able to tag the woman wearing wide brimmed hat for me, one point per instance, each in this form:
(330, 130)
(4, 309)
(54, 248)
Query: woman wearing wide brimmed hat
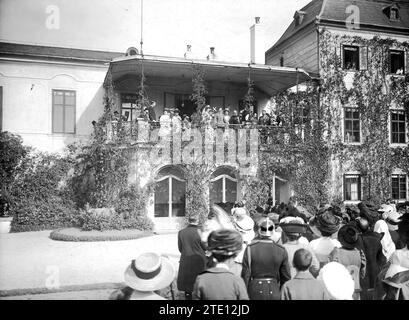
(392, 218)
(293, 228)
(350, 256)
(219, 282)
(325, 224)
(147, 273)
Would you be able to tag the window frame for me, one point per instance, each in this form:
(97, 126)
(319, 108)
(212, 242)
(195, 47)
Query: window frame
(343, 46)
(390, 61)
(224, 176)
(405, 127)
(344, 119)
(352, 175)
(170, 178)
(399, 175)
(53, 111)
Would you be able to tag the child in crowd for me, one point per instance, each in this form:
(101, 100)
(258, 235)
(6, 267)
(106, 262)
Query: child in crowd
(303, 286)
(218, 282)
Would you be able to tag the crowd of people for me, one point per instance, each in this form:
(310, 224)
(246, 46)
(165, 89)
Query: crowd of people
(205, 116)
(282, 252)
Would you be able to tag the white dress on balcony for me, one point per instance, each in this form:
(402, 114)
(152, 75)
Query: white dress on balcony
(165, 126)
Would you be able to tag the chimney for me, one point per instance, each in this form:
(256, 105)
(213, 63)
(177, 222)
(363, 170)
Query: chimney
(188, 53)
(212, 55)
(256, 43)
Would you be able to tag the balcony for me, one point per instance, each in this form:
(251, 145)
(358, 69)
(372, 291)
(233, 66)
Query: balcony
(146, 132)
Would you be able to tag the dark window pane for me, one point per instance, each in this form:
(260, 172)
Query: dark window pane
(216, 191)
(178, 198)
(231, 191)
(356, 125)
(162, 198)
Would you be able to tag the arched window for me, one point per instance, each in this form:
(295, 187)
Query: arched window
(170, 193)
(223, 186)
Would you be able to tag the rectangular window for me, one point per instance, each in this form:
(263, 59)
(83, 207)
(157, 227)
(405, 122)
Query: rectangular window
(351, 125)
(352, 187)
(398, 127)
(351, 57)
(63, 111)
(397, 61)
(399, 186)
(130, 109)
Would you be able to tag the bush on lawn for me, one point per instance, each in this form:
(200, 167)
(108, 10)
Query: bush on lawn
(12, 152)
(40, 198)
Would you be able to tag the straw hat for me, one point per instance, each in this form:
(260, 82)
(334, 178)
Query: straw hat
(245, 225)
(149, 272)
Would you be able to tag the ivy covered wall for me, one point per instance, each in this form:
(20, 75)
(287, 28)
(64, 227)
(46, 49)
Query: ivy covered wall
(373, 91)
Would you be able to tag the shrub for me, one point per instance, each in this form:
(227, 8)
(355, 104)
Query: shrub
(39, 195)
(12, 152)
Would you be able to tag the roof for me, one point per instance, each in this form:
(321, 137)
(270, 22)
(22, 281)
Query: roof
(326, 12)
(267, 78)
(56, 53)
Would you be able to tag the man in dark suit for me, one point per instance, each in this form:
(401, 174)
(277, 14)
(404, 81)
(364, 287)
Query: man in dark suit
(265, 264)
(192, 258)
(370, 243)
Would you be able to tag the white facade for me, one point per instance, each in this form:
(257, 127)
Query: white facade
(27, 99)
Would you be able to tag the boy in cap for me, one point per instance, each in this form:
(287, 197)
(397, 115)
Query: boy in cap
(265, 264)
(303, 286)
(218, 282)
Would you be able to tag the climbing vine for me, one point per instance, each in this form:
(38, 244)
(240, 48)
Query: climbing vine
(373, 92)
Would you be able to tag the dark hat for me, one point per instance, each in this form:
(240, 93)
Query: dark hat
(369, 211)
(348, 236)
(325, 221)
(225, 242)
(403, 226)
(293, 225)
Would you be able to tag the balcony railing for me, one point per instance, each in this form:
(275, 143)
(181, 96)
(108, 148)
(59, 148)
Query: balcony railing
(147, 131)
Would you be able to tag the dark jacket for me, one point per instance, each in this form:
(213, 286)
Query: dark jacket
(192, 258)
(268, 260)
(370, 243)
(219, 284)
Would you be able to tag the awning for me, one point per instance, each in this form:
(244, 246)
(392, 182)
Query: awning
(267, 78)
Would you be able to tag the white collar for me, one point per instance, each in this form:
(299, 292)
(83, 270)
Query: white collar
(222, 265)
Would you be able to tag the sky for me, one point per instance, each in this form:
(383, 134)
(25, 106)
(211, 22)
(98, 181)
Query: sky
(168, 25)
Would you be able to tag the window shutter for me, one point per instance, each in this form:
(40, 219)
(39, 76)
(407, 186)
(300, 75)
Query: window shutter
(407, 61)
(340, 54)
(363, 58)
(58, 116)
(345, 188)
(69, 119)
(359, 187)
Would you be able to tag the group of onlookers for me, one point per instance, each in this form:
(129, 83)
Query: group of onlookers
(283, 252)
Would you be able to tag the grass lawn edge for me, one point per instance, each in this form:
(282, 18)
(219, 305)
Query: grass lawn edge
(76, 235)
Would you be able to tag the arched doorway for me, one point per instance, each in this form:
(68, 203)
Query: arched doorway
(170, 193)
(223, 188)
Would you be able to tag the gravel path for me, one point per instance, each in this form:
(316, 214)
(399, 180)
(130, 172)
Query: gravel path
(32, 260)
